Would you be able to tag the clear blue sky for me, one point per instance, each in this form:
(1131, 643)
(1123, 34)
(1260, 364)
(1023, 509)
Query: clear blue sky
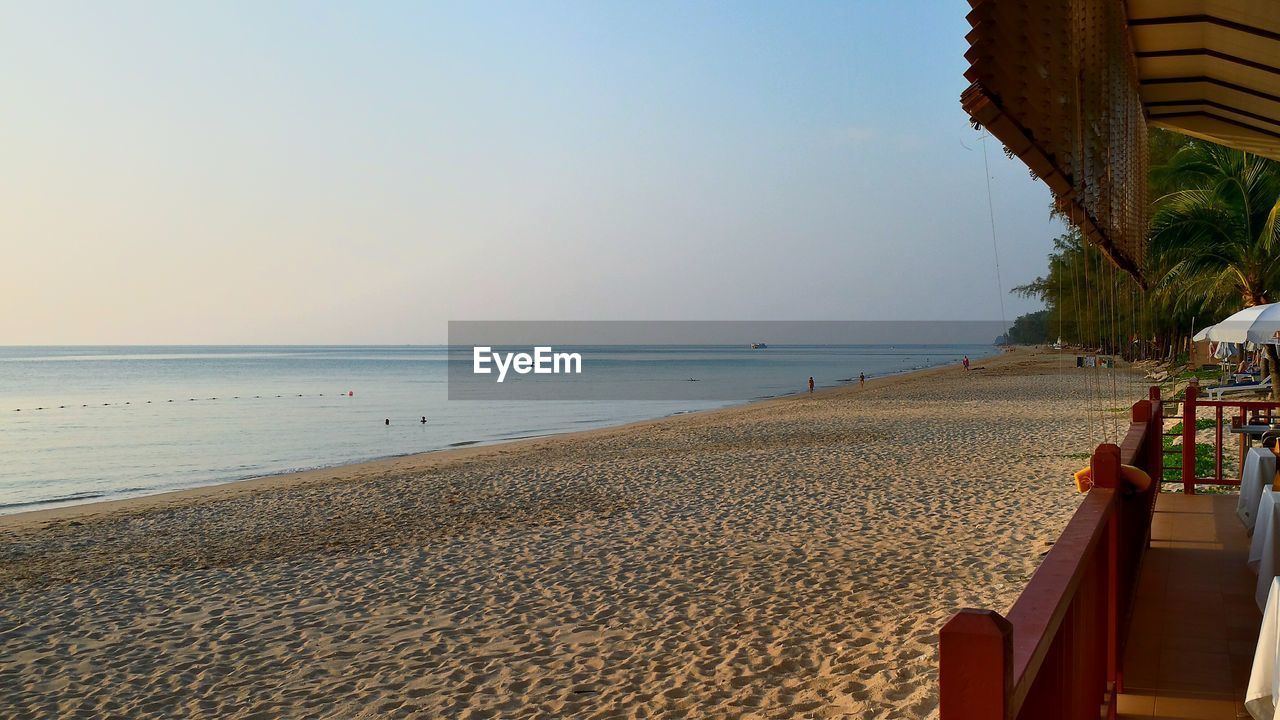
(363, 172)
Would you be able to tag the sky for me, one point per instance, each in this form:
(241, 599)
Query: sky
(312, 172)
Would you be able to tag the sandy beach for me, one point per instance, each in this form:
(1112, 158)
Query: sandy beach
(785, 559)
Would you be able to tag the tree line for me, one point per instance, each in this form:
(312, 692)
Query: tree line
(1213, 249)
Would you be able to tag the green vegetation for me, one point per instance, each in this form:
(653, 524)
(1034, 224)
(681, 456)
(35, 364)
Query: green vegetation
(1214, 248)
(1174, 386)
(1204, 461)
(1215, 233)
(1031, 329)
(1201, 424)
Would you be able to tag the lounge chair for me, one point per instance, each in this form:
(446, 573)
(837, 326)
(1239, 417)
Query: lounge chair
(1219, 393)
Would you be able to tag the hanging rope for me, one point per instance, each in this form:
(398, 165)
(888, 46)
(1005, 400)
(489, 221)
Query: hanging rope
(1084, 321)
(995, 247)
(1116, 407)
(1093, 312)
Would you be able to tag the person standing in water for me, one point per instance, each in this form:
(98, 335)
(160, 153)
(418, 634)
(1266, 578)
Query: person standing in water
(811, 384)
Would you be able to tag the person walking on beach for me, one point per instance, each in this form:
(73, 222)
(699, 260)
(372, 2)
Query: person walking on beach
(966, 362)
(810, 384)
(862, 379)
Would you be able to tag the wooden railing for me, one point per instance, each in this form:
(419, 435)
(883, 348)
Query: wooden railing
(1224, 419)
(1057, 653)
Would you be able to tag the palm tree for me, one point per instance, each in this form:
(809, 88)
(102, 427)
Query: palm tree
(1216, 231)
(1091, 305)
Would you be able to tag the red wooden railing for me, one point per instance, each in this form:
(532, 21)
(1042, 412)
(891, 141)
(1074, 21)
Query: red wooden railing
(1245, 411)
(1057, 653)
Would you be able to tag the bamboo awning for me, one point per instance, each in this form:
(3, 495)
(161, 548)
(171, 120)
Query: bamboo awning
(1070, 86)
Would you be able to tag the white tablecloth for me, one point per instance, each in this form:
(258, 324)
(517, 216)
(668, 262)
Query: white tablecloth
(1264, 550)
(1264, 679)
(1259, 472)
(1262, 530)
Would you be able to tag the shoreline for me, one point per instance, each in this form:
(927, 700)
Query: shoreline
(781, 559)
(428, 459)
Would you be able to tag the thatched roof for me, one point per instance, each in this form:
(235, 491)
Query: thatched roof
(1070, 86)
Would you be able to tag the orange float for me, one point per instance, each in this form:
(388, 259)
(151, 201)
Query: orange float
(1136, 477)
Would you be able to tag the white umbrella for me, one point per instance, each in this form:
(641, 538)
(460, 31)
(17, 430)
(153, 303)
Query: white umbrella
(1202, 335)
(1258, 324)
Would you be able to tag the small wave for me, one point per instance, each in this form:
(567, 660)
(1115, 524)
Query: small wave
(73, 497)
(504, 438)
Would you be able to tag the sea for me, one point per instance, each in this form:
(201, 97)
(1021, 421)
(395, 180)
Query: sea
(86, 424)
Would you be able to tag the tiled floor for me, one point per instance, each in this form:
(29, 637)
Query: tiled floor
(1195, 622)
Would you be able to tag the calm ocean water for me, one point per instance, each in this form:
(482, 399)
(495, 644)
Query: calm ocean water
(81, 424)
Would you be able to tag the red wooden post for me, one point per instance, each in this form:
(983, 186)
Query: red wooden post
(975, 666)
(1141, 413)
(1189, 440)
(1155, 435)
(1105, 467)
(1217, 440)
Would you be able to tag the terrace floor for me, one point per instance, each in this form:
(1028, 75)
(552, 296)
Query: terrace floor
(1195, 623)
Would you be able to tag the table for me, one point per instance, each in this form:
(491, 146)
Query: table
(1264, 550)
(1257, 472)
(1266, 516)
(1247, 433)
(1264, 678)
